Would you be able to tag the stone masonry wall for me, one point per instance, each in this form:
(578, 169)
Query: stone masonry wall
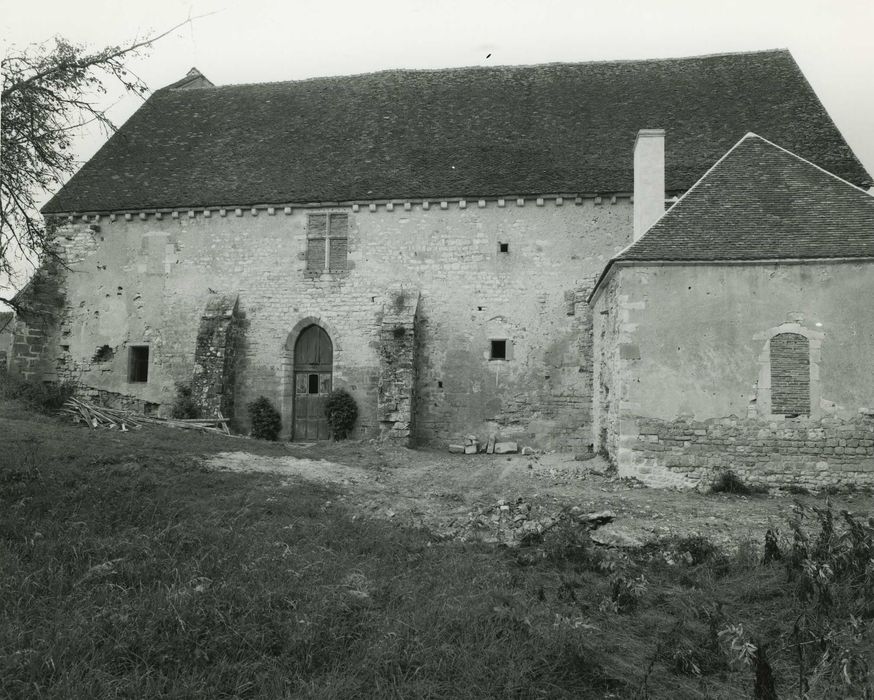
(35, 326)
(145, 280)
(397, 371)
(212, 384)
(812, 453)
(695, 348)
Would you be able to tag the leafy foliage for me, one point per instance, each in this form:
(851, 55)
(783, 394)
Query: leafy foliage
(49, 92)
(729, 482)
(45, 397)
(184, 406)
(266, 421)
(341, 412)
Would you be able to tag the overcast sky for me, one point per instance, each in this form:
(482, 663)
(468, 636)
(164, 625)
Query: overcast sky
(266, 40)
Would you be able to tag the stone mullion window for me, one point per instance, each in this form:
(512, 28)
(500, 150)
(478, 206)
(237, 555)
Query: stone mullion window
(327, 242)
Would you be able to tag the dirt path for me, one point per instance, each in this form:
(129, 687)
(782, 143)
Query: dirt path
(504, 498)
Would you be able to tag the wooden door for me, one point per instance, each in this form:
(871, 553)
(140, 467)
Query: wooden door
(313, 368)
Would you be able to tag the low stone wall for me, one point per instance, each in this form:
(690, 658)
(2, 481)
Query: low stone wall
(813, 453)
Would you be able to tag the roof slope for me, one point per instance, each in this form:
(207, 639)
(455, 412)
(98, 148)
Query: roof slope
(761, 202)
(456, 132)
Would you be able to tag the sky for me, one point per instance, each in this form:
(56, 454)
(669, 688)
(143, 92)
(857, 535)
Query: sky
(248, 41)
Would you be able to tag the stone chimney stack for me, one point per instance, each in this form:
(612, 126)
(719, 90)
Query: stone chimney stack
(649, 179)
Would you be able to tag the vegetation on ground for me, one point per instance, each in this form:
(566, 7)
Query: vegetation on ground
(729, 482)
(341, 412)
(45, 397)
(129, 570)
(265, 419)
(184, 406)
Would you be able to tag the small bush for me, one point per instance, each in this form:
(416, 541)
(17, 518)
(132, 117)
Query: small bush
(729, 482)
(45, 397)
(697, 550)
(184, 406)
(266, 421)
(342, 412)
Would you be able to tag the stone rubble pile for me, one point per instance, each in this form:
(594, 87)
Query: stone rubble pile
(471, 445)
(518, 522)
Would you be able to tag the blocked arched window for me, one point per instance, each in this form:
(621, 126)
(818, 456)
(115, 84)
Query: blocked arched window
(790, 374)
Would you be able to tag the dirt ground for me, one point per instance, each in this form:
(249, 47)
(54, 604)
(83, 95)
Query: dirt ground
(504, 498)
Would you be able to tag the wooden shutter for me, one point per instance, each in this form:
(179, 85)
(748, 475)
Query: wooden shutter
(339, 251)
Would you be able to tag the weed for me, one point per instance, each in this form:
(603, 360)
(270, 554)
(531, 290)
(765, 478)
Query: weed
(266, 422)
(729, 482)
(341, 412)
(45, 397)
(184, 406)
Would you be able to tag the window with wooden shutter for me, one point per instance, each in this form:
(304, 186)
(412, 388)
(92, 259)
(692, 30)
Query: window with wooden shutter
(327, 242)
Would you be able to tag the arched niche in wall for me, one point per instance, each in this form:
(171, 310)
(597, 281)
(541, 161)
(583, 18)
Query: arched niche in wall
(789, 382)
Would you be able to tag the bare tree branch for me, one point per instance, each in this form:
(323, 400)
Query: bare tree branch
(48, 93)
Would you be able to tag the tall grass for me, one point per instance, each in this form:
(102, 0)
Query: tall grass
(131, 571)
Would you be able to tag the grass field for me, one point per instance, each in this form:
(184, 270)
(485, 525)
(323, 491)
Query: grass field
(127, 569)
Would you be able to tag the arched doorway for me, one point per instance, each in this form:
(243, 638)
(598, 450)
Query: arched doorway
(313, 368)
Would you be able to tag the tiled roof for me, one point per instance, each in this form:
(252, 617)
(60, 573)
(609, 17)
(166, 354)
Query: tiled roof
(761, 202)
(5, 319)
(555, 128)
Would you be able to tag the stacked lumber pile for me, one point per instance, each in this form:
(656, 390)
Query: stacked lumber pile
(103, 417)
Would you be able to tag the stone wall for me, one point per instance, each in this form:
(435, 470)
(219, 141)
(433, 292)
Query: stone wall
(397, 366)
(812, 453)
(146, 280)
(34, 329)
(213, 381)
(695, 363)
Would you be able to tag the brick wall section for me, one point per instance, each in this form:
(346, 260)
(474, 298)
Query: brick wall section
(790, 374)
(805, 452)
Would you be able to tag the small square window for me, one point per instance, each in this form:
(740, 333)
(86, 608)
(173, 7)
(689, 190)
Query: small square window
(138, 364)
(503, 247)
(499, 350)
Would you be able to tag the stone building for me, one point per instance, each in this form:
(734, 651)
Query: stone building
(737, 332)
(427, 240)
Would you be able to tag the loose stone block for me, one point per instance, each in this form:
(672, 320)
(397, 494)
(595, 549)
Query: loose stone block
(471, 449)
(457, 449)
(503, 448)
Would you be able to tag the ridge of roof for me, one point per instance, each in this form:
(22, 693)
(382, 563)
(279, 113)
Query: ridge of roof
(501, 67)
(480, 131)
(759, 201)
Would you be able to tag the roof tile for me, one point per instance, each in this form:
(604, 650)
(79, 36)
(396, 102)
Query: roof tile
(456, 132)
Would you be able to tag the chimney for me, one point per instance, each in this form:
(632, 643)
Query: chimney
(649, 179)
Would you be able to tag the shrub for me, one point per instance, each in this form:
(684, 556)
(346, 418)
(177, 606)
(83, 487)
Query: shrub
(266, 421)
(184, 406)
(45, 397)
(341, 412)
(729, 482)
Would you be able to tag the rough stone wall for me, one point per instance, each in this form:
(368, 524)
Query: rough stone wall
(813, 453)
(695, 354)
(397, 369)
(212, 384)
(147, 280)
(606, 378)
(34, 328)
